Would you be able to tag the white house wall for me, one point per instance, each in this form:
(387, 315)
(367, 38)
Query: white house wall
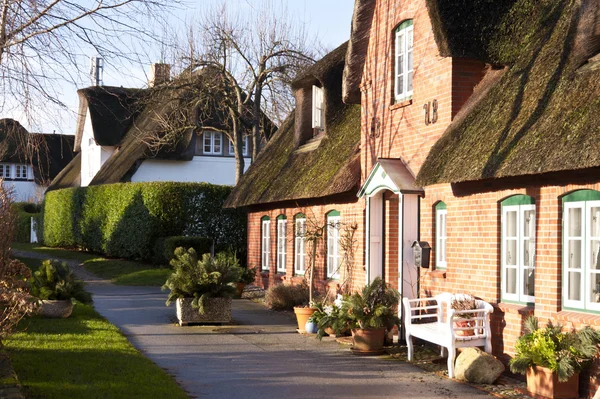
(215, 170)
(25, 191)
(93, 156)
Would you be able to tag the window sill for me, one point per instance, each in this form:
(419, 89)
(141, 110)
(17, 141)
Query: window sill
(401, 104)
(590, 319)
(438, 273)
(515, 308)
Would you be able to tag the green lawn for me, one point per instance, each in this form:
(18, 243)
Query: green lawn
(120, 272)
(84, 356)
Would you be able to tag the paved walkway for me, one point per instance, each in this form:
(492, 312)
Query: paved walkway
(261, 356)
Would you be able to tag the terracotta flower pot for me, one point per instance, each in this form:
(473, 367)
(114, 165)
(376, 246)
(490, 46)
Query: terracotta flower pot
(464, 333)
(239, 289)
(302, 316)
(369, 339)
(542, 381)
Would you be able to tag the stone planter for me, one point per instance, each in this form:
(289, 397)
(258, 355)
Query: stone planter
(542, 381)
(302, 316)
(56, 309)
(218, 310)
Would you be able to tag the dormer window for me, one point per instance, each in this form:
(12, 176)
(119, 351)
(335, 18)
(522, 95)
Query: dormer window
(4, 171)
(212, 143)
(244, 147)
(318, 109)
(403, 71)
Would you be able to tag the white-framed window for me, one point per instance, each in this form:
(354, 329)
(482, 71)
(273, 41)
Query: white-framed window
(244, 147)
(403, 62)
(299, 246)
(518, 249)
(440, 236)
(581, 250)
(333, 245)
(21, 172)
(318, 108)
(5, 171)
(266, 242)
(212, 143)
(281, 243)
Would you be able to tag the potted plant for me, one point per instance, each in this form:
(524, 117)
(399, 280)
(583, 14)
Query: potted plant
(247, 277)
(332, 319)
(202, 289)
(56, 287)
(463, 302)
(373, 311)
(552, 359)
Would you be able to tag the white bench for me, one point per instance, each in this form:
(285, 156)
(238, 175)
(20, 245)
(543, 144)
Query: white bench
(442, 330)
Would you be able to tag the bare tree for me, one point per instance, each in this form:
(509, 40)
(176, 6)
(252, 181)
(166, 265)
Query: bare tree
(255, 54)
(42, 41)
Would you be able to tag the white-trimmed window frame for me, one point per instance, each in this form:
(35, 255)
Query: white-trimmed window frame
(18, 172)
(333, 247)
(299, 247)
(520, 296)
(6, 171)
(441, 238)
(244, 147)
(318, 108)
(403, 62)
(265, 248)
(209, 141)
(585, 270)
(281, 244)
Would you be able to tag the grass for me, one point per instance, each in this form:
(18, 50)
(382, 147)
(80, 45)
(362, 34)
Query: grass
(120, 272)
(124, 272)
(84, 356)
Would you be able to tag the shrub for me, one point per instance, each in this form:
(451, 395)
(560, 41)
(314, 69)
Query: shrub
(374, 307)
(285, 297)
(24, 212)
(55, 281)
(211, 277)
(125, 219)
(164, 249)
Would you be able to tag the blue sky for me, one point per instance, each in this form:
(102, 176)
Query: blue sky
(327, 20)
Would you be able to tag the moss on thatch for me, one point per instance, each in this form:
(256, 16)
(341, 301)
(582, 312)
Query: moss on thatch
(542, 115)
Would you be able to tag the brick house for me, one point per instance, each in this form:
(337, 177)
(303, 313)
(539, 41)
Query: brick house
(478, 136)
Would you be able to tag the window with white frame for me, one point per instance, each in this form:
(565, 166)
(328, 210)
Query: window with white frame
(212, 143)
(244, 147)
(518, 249)
(440, 236)
(281, 247)
(318, 108)
(21, 172)
(265, 242)
(581, 250)
(299, 245)
(5, 171)
(403, 71)
(333, 245)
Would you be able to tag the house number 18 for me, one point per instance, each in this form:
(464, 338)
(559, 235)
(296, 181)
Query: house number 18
(431, 112)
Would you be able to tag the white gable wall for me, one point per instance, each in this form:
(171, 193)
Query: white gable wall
(209, 169)
(93, 156)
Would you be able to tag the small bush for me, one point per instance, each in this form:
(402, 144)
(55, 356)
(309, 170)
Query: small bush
(285, 297)
(164, 248)
(55, 281)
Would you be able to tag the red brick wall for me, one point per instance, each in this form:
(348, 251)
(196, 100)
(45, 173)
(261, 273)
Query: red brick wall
(350, 214)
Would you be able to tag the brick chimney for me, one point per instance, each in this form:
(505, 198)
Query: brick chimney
(159, 74)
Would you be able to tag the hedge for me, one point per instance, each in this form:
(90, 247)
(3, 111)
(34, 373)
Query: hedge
(164, 247)
(24, 212)
(126, 219)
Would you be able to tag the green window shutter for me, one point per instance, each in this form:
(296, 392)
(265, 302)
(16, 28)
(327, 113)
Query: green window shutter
(582, 195)
(333, 213)
(300, 216)
(518, 200)
(440, 205)
(265, 218)
(405, 24)
(281, 217)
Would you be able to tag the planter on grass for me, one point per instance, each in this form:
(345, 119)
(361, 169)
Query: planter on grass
(56, 309)
(544, 382)
(217, 310)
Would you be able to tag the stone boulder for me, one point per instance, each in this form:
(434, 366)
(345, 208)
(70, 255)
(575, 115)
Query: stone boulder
(474, 365)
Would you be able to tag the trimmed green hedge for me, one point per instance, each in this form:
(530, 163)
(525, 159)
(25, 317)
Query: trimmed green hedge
(24, 212)
(126, 219)
(164, 249)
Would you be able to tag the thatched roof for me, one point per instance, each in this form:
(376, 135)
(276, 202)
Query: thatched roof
(362, 18)
(48, 154)
(69, 176)
(283, 172)
(540, 115)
